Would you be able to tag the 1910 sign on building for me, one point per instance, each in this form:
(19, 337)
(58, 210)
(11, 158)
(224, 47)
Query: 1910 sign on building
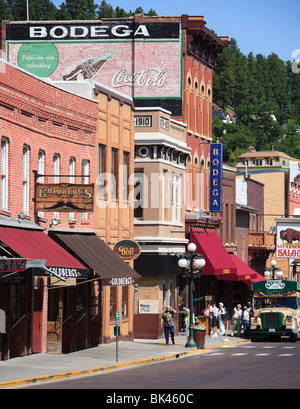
(64, 197)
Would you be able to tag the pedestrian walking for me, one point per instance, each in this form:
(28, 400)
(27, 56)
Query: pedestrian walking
(246, 322)
(222, 314)
(214, 314)
(167, 318)
(237, 319)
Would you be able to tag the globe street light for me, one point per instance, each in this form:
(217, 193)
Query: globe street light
(273, 271)
(189, 261)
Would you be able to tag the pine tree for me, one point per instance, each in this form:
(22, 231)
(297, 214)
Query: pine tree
(105, 10)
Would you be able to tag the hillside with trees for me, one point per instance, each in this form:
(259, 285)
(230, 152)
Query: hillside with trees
(256, 90)
(252, 88)
(45, 10)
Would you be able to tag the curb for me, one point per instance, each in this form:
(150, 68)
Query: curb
(66, 375)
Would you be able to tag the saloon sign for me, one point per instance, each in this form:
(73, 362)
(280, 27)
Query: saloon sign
(64, 197)
(288, 240)
(127, 249)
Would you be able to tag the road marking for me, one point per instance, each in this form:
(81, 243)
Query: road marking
(268, 347)
(228, 346)
(286, 354)
(288, 347)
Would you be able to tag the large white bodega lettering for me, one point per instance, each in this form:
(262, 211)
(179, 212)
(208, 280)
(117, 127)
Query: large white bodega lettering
(102, 31)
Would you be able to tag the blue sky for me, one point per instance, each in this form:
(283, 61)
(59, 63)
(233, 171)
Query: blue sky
(260, 26)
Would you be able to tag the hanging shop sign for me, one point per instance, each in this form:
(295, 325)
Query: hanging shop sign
(63, 273)
(216, 177)
(127, 249)
(64, 197)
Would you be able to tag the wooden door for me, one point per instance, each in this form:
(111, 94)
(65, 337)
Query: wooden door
(81, 317)
(54, 324)
(95, 313)
(17, 305)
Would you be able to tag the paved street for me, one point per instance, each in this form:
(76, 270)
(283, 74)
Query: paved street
(261, 365)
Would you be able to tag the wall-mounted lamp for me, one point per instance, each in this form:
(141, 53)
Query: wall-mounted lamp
(54, 222)
(21, 216)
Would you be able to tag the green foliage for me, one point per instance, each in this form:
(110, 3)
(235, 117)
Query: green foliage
(45, 10)
(264, 93)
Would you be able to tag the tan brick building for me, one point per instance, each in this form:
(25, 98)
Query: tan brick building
(160, 164)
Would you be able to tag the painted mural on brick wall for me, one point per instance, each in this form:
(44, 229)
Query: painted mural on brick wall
(138, 60)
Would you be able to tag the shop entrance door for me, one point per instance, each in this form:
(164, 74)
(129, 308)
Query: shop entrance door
(16, 295)
(95, 313)
(54, 324)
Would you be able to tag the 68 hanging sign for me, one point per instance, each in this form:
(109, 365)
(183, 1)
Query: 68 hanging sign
(216, 177)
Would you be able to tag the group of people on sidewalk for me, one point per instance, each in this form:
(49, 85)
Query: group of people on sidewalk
(240, 319)
(218, 317)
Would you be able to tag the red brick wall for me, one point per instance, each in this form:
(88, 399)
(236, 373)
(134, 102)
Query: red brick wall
(37, 114)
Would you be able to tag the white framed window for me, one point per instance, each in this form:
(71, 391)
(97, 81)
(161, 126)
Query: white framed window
(176, 198)
(85, 169)
(41, 171)
(4, 173)
(25, 195)
(56, 166)
(72, 163)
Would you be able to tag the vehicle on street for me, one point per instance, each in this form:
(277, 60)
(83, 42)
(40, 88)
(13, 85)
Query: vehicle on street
(276, 309)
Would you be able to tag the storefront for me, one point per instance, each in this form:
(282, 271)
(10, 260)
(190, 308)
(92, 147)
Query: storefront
(225, 277)
(64, 290)
(110, 288)
(160, 281)
(33, 310)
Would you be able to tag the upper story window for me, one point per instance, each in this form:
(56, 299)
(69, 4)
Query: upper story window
(41, 171)
(56, 167)
(85, 170)
(101, 170)
(114, 174)
(25, 202)
(72, 170)
(4, 173)
(176, 198)
(125, 175)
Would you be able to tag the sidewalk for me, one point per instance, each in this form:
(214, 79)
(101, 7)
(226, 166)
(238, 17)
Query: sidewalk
(46, 367)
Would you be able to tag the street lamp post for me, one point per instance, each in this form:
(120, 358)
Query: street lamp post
(273, 271)
(189, 261)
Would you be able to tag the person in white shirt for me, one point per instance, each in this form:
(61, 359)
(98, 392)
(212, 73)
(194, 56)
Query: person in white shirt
(237, 319)
(221, 321)
(246, 322)
(214, 314)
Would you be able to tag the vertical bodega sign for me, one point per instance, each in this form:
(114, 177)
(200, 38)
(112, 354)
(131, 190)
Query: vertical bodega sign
(216, 177)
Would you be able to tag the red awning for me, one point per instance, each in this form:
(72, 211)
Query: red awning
(218, 261)
(35, 244)
(244, 271)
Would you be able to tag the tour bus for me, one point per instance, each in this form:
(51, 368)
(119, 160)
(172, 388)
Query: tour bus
(276, 309)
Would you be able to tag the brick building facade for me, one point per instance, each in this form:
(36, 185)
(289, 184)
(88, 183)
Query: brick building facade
(56, 134)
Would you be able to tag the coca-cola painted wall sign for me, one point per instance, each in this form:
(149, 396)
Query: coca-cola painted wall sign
(142, 61)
